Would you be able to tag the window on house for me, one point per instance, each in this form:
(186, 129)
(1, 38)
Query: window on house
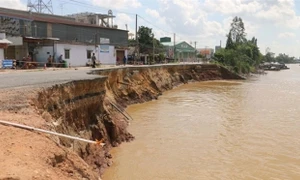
(67, 53)
(89, 54)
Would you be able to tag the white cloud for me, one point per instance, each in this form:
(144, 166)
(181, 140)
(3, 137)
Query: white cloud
(278, 12)
(13, 4)
(185, 17)
(122, 20)
(230, 7)
(278, 47)
(206, 21)
(117, 4)
(152, 12)
(286, 35)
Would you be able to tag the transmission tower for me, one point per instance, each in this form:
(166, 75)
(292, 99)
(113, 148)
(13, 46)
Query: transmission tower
(40, 6)
(268, 50)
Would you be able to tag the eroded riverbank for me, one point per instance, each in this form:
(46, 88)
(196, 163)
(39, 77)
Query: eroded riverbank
(220, 130)
(83, 108)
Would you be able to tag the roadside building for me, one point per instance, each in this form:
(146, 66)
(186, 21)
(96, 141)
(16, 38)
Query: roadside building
(206, 52)
(41, 35)
(217, 48)
(183, 51)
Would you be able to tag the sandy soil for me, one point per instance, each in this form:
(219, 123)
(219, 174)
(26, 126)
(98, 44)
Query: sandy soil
(86, 112)
(30, 155)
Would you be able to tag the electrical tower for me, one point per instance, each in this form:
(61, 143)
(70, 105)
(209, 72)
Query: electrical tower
(40, 6)
(268, 50)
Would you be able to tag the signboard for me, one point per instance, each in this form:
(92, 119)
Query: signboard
(7, 63)
(104, 48)
(165, 39)
(104, 41)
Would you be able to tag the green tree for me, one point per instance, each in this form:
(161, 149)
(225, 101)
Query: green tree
(283, 58)
(229, 42)
(200, 56)
(146, 38)
(269, 57)
(132, 42)
(238, 30)
(240, 55)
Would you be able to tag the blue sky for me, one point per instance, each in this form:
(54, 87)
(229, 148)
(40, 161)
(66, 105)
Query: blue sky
(276, 23)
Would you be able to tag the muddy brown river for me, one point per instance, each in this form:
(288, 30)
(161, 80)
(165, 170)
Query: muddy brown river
(216, 130)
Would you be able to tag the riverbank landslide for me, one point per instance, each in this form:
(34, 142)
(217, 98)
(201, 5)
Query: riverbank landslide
(92, 109)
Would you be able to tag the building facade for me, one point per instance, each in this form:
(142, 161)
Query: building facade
(217, 48)
(206, 52)
(41, 35)
(3, 45)
(183, 51)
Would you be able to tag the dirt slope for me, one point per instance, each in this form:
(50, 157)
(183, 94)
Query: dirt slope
(84, 109)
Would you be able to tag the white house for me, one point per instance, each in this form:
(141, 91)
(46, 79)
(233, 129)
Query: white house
(77, 54)
(3, 44)
(40, 35)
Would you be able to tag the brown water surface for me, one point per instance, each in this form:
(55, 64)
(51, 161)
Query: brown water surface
(216, 130)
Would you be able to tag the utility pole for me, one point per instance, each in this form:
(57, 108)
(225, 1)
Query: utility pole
(195, 50)
(136, 28)
(97, 50)
(206, 53)
(136, 37)
(153, 47)
(174, 52)
(95, 41)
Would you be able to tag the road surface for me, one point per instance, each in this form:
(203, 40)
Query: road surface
(40, 77)
(12, 79)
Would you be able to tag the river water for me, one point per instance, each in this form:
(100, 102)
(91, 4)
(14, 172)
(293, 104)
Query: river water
(216, 130)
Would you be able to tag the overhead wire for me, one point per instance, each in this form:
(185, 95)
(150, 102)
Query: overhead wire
(154, 25)
(84, 32)
(95, 7)
(99, 7)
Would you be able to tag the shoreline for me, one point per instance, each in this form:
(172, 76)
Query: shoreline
(83, 108)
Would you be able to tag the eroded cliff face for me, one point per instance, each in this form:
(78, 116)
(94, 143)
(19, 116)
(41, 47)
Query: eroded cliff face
(86, 108)
(80, 108)
(136, 85)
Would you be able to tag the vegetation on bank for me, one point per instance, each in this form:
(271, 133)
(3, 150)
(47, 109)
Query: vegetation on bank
(242, 55)
(281, 58)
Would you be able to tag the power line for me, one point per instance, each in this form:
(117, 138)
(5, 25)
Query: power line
(99, 7)
(79, 3)
(155, 25)
(96, 7)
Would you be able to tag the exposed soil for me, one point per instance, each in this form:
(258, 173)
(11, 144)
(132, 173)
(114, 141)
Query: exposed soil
(84, 109)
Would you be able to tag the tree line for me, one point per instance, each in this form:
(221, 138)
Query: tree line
(146, 41)
(280, 58)
(242, 55)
